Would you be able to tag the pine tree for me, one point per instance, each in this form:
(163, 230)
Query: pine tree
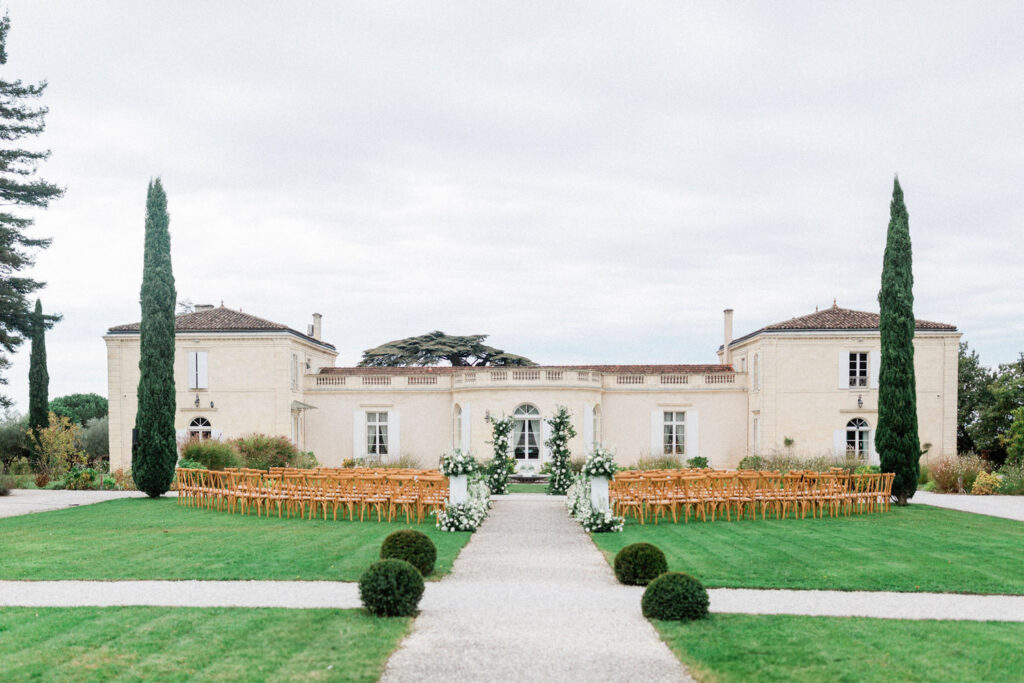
(19, 187)
(156, 451)
(561, 432)
(38, 378)
(896, 439)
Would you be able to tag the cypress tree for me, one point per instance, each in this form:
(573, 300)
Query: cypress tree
(156, 450)
(896, 438)
(38, 378)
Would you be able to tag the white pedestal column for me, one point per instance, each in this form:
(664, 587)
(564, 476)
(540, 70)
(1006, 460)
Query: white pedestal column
(599, 493)
(457, 489)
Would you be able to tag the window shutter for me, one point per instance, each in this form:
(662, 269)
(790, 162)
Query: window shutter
(202, 370)
(180, 434)
(216, 434)
(872, 455)
(874, 365)
(657, 437)
(839, 443)
(192, 373)
(692, 434)
(395, 434)
(464, 439)
(588, 428)
(844, 369)
(545, 434)
(358, 434)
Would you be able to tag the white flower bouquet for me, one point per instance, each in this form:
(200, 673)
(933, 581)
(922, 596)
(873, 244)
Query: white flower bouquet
(600, 463)
(455, 463)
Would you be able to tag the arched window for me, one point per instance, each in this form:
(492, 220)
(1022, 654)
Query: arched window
(200, 428)
(857, 434)
(457, 429)
(526, 434)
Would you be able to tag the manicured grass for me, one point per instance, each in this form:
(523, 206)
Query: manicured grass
(527, 488)
(140, 538)
(916, 548)
(740, 647)
(178, 644)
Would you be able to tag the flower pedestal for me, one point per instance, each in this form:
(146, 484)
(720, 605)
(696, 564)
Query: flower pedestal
(458, 489)
(599, 492)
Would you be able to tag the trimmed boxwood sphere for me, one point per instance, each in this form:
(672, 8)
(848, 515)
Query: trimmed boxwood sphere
(639, 564)
(675, 596)
(415, 547)
(391, 588)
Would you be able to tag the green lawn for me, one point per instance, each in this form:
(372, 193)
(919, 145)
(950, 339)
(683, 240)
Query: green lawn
(179, 644)
(916, 548)
(527, 488)
(140, 538)
(740, 647)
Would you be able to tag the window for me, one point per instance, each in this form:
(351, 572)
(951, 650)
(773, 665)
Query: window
(675, 433)
(526, 432)
(457, 429)
(197, 370)
(857, 433)
(757, 373)
(858, 369)
(295, 372)
(200, 429)
(377, 433)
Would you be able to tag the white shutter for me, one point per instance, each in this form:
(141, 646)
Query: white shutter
(692, 434)
(192, 374)
(588, 428)
(545, 434)
(872, 455)
(216, 434)
(844, 369)
(395, 434)
(358, 434)
(839, 443)
(657, 438)
(464, 438)
(180, 434)
(874, 365)
(202, 370)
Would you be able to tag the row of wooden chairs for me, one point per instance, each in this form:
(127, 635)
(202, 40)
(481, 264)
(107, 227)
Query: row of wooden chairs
(647, 495)
(306, 493)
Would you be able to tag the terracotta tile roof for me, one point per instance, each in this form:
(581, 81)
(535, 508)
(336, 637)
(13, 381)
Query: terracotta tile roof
(835, 318)
(447, 370)
(222, 319)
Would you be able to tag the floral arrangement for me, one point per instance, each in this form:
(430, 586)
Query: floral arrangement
(455, 463)
(466, 516)
(577, 499)
(561, 431)
(502, 465)
(600, 462)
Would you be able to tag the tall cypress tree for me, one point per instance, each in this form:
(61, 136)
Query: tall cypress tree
(896, 439)
(38, 378)
(156, 451)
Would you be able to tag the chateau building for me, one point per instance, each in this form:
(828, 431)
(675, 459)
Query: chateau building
(808, 385)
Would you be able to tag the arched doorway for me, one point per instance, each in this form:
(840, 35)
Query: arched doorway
(200, 429)
(526, 434)
(857, 434)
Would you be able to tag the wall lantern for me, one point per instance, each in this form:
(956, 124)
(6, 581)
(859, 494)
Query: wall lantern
(860, 401)
(211, 405)
(197, 400)
(487, 416)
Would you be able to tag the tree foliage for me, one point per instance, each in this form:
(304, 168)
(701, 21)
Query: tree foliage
(973, 396)
(896, 439)
(154, 455)
(1003, 397)
(80, 407)
(562, 432)
(38, 376)
(58, 447)
(20, 187)
(436, 348)
(1013, 439)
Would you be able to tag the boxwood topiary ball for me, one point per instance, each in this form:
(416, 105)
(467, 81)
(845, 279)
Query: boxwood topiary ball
(675, 596)
(415, 547)
(391, 588)
(639, 564)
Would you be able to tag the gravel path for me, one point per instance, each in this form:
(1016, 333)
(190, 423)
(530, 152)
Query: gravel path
(531, 598)
(1009, 507)
(25, 501)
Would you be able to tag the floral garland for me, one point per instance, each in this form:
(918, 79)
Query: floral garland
(455, 463)
(502, 465)
(561, 431)
(577, 499)
(468, 515)
(600, 462)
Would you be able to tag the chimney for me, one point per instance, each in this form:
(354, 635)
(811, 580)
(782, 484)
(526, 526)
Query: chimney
(203, 307)
(316, 326)
(726, 355)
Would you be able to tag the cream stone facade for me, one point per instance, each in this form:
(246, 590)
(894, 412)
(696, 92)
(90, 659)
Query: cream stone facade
(806, 386)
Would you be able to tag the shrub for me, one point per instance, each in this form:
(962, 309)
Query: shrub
(867, 469)
(415, 547)
(7, 482)
(752, 462)
(261, 452)
(675, 596)
(79, 479)
(210, 454)
(124, 480)
(58, 447)
(639, 564)
(700, 461)
(94, 438)
(659, 462)
(191, 465)
(402, 462)
(955, 474)
(14, 443)
(391, 588)
(923, 475)
(986, 484)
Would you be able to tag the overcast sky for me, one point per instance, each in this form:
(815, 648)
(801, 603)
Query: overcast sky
(585, 182)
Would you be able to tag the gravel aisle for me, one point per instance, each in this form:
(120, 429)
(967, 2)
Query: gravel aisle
(531, 598)
(1009, 507)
